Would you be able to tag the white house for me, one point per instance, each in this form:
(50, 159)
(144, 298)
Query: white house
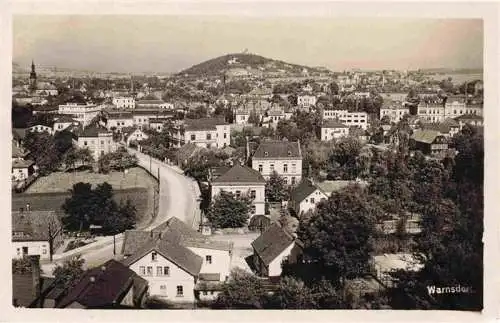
(333, 129)
(118, 121)
(98, 140)
(124, 102)
(241, 180)
(281, 156)
(272, 248)
(170, 269)
(64, 122)
(241, 116)
(133, 134)
(206, 132)
(30, 233)
(394, 110)
(350, 119)
(197, 264)
(306, 100)
(305, 197)
(83, 113)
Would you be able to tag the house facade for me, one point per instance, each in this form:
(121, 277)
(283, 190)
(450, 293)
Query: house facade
(64, 122)
(123, 102)
(305, 197)
(207, 132)
(118, 121)
(306, 100)
(282, 157)
(350, 119)
(333, 129)
(98, 140)
(242, 180)
(83, 113)
(430, 142)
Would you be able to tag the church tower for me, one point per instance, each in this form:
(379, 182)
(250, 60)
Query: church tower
(32, 77)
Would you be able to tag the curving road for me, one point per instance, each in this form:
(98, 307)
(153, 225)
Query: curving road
(178, 196)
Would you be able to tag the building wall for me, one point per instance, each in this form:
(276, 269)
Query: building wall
(333, 133)
(81, 112)
(41, 128)
(124, 102)
(395, 115)
(219, 137)
(98, 146)
(165, 286)
(119, 124)
(310, 202)
(241, 118)
(221, 261)
(60, 126)
(223, 135)
(19, 174)
(306, 100)
(40, 248)
(275, 265)
(358, 119)
(292, 172)
(137, 135)
(260, 198)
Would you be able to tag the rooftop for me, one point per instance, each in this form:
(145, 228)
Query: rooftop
(303, 190)
(333, 124)
(93, 131)
(278, 149)
(425, 135)
(271, 243)
(203, 123)
(240, 174)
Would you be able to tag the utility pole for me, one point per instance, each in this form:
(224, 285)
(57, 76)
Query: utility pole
(114, 244)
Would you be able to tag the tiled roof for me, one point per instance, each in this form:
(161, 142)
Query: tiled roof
(240, 174)
(333, 124)
(174, 252)
(33, 224)
(120, 115)
(93, 131)
(65, 119)
(278, 149)
(21, 163)
(271, 243)
(332, 186)
(425, 135)
(204, 123)
(18, 152)
(303, 190)
(149, 102)
(104, 286)
(469, 117)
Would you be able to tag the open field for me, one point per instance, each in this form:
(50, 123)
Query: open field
(62, 181)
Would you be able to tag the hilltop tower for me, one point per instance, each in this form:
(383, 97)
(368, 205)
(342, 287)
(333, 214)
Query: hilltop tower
(32, 77)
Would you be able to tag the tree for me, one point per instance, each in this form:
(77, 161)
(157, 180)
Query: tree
(69, 274)
(228, 211)
(44, 151)
(198, 166)
(334, 88)
(21, 266)
(253, 118)
(77, 207)
(338, 237)
(118, 161)
(78, 156)
(242, 291)
(344, 159)
(276, 188)
(292, 294)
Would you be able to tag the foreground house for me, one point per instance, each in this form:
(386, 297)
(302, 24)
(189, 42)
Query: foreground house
(33, 232)
(429, 142)
(282, 157)
(207, 132)
(242, 180)
(272, 248)
(193, 262)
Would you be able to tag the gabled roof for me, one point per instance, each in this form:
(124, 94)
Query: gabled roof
(18, 152)
(425, 136)
(104, 286)
(469, 117)
(150, 102)
(33, 224)
(93, 131)
(271, 243)
(174, 252)
(240, 174)
(21, 163)
(303, 190)
(119, 116)
(65, 119)
(278, 149)
(203, 123)
(333, 124)
(331, 186)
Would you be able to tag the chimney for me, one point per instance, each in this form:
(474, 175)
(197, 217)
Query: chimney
(35, 274)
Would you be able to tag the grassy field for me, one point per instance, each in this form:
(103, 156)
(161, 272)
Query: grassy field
(50, 192)
(62, 181)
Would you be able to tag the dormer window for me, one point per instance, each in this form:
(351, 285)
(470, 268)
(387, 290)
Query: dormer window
(266, 153)
(289, 153)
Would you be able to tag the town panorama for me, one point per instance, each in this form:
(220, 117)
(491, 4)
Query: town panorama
(247, 182)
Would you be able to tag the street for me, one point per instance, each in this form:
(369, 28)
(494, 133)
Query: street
(178, 197)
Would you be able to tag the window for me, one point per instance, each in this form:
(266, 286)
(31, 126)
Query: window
(293, 180)
(294, 166)
(205, 292)
(102, 142)
(285, 168)
(159, 271)
(272, 168)
(286, 180)
(312, 200)
(44, 251)
(208, 259)
(85, 143)
(225, 135)
(18, 250)
(163, 286)
(209, 136)
(142, 270)
(253, 194)
(238, 193)
(180, 291)
(260, 168)
(193, 137)
(252, 209)
(149, 271)
(166, 271)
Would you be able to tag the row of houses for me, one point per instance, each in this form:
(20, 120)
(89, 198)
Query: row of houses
(129, 102)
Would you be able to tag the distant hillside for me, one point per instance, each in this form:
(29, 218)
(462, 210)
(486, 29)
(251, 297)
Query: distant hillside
(250, 62)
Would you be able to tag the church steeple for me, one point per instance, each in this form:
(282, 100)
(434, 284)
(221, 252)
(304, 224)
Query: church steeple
(33, 76)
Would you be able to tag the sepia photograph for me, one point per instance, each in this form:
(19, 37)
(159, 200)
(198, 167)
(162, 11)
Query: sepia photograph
(239, 162)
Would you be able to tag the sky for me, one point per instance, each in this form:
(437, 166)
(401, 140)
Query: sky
(169, 44)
